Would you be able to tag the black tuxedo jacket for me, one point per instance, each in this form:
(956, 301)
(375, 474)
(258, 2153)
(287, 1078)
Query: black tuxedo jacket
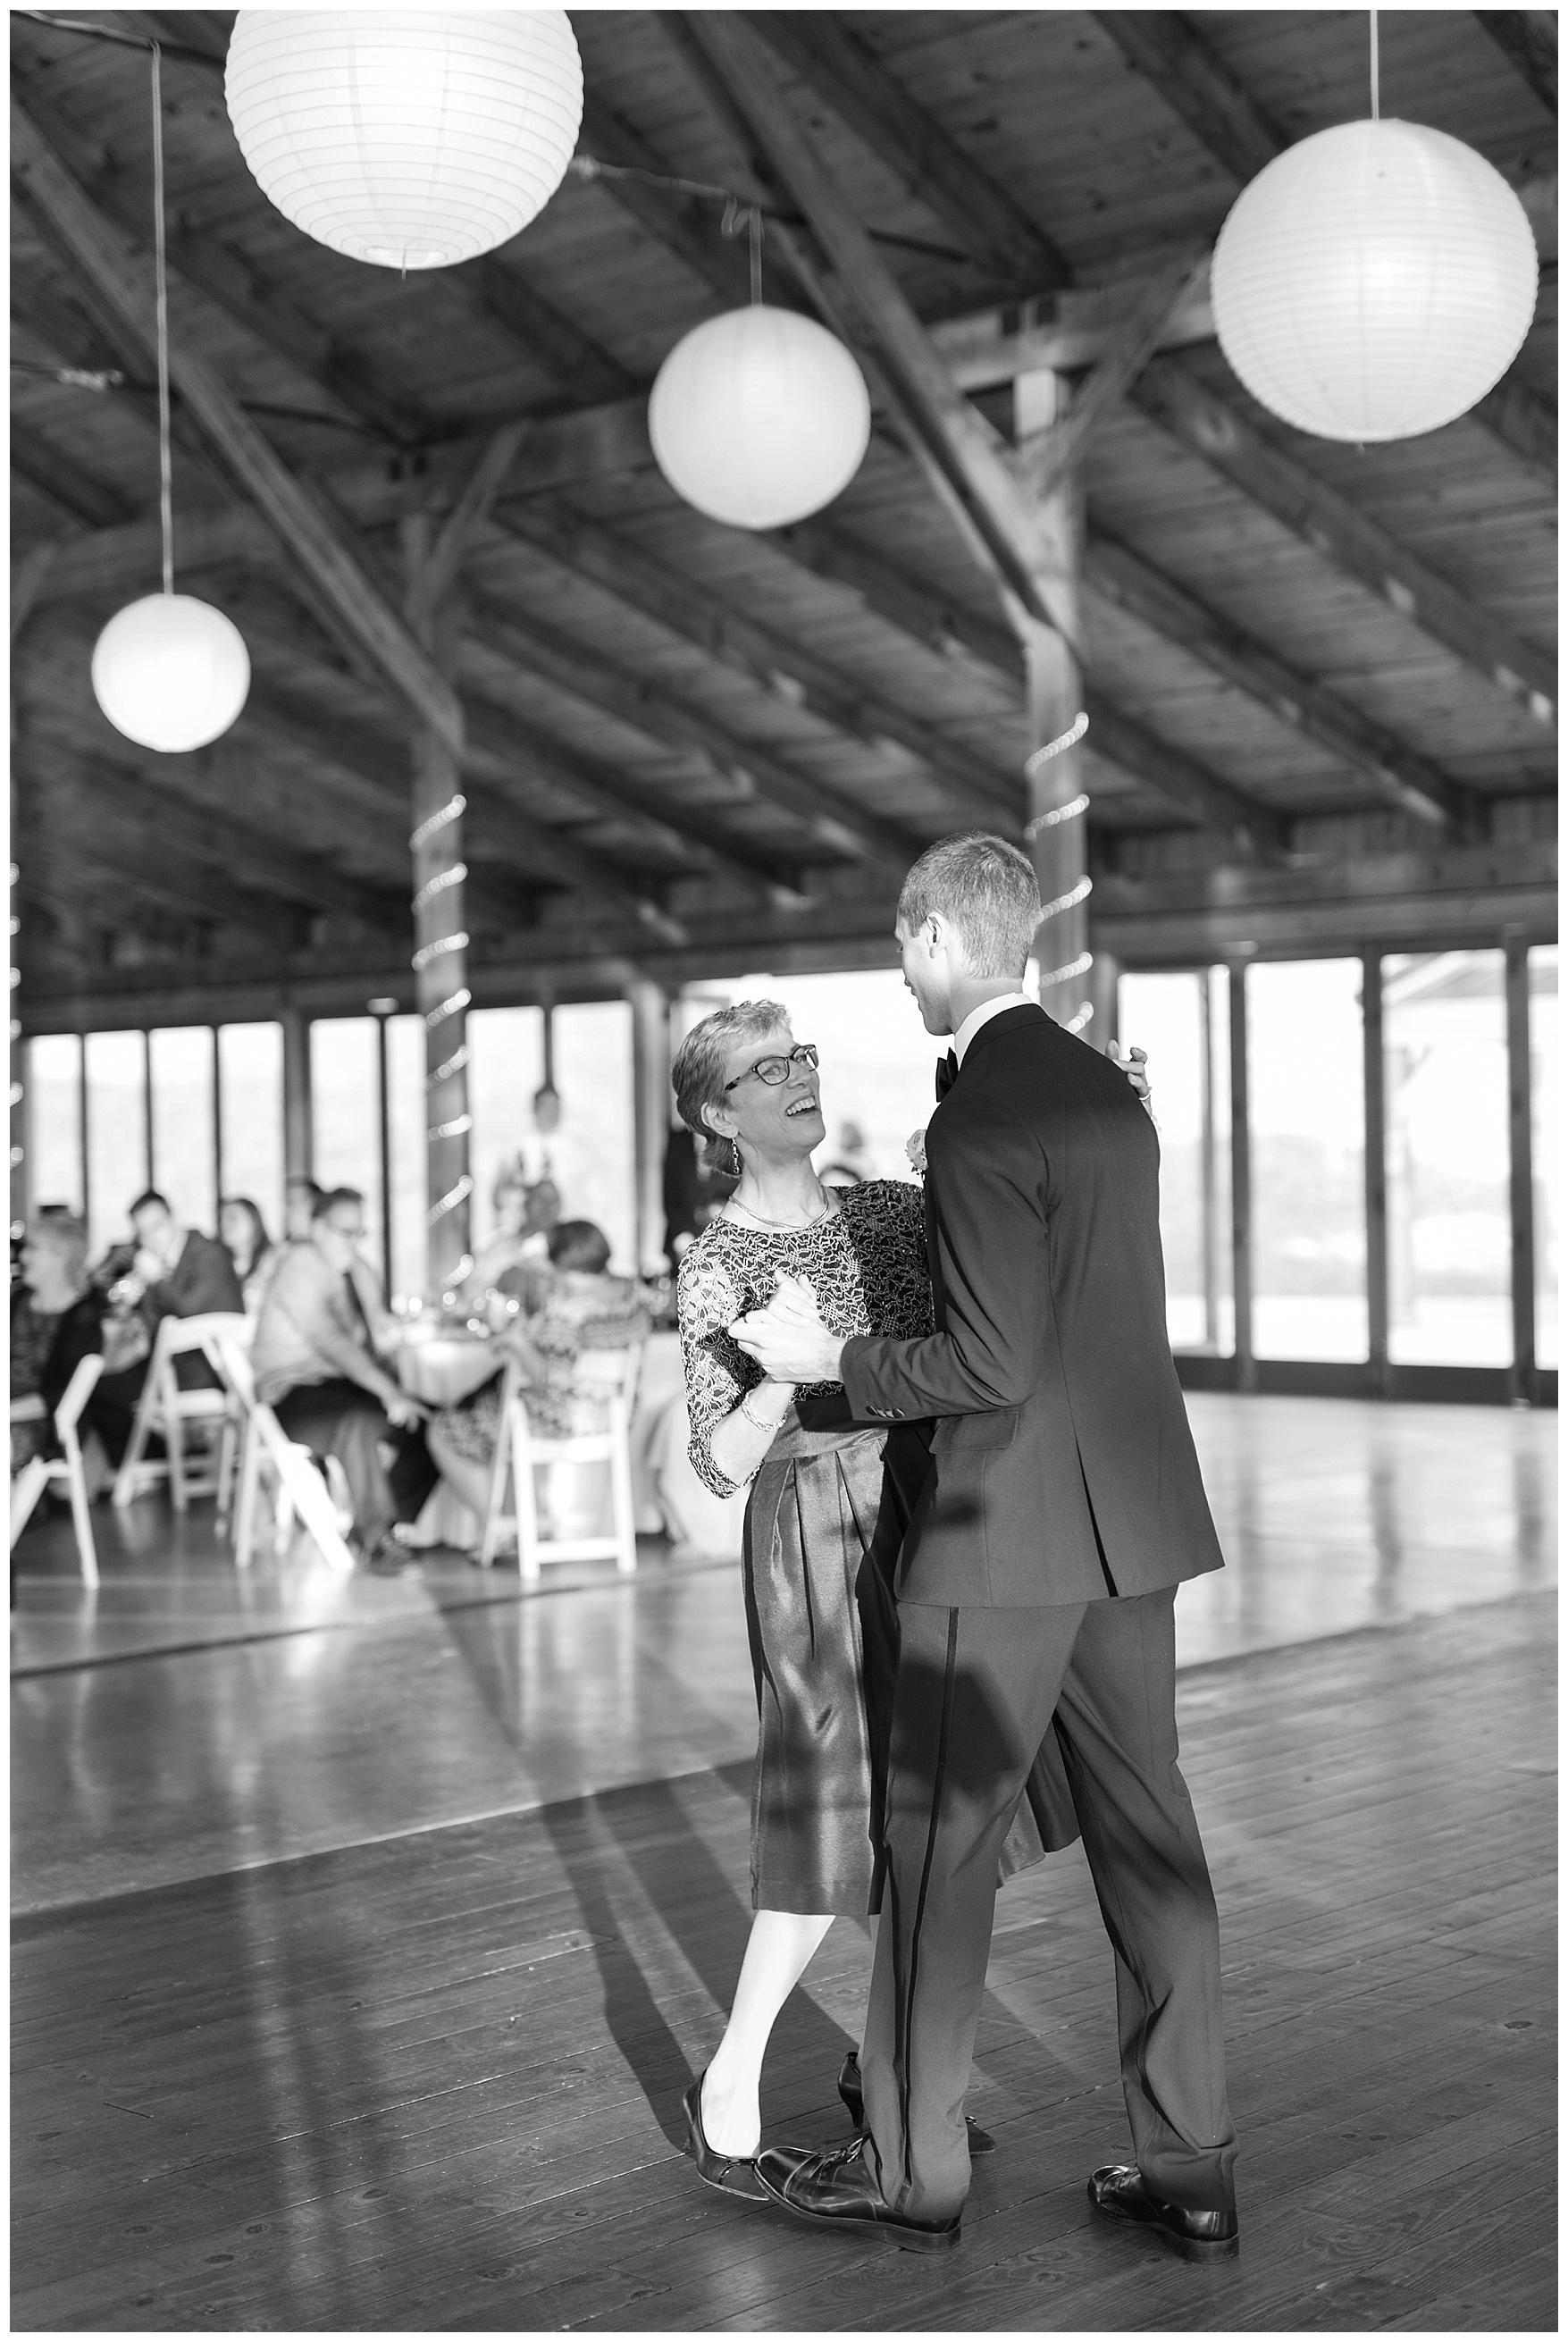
(1062, 1466)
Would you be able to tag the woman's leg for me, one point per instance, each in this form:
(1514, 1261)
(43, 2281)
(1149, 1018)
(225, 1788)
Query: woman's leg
(779, 1950)
(470, 1481)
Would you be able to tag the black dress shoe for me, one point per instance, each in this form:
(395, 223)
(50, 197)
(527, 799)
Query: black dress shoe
(731, 2174)
(834, 2188)
(1121, 2189)
(849, 2089)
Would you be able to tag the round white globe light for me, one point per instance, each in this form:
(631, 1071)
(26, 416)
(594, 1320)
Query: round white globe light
(1374, 281)
(408, 137)
(759, 417)
(171, 672)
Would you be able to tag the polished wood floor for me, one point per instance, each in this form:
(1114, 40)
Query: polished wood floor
(365, 1938)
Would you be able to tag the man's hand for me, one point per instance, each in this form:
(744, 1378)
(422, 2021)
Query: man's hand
(788, 1338)
(1133, 1065)
(405, 1414)
(150, 1266)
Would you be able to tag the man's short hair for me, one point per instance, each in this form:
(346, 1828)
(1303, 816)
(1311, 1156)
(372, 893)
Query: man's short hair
(988, 892)
(697, 1075)
(145, 1203)
(327, 1201)
(301, 1179)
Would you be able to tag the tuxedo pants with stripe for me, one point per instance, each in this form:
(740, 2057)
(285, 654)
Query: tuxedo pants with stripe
(975, 1694)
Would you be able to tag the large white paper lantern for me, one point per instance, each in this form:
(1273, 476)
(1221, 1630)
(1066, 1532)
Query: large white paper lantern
(1374, 281)
(171, 672)
(411, 138)
(759, 417)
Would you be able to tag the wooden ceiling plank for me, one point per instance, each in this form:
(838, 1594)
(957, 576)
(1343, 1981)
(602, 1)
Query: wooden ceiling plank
(683, 224)
(590, 550)
(295, 519)
(1524, 424)
(1528, 39)
(1198, 84)
(28, 575)
(549, 337)
(1215, 428)
(64, 482)
(935, 167)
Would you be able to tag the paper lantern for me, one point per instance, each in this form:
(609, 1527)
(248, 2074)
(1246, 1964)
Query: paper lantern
(410, 139)
(171, 672)
(759, 417)
(1374, 281)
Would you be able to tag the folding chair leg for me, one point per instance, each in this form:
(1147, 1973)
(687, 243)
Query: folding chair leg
(246, 1509)
(528, 1511)
(495, 1509)
(81, 1512)
(227, 1445)
(141, 1430)
(621, 1512)
(26, 1490)
(173, 1442)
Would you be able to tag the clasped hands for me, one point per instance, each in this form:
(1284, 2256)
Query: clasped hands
(788, 1339)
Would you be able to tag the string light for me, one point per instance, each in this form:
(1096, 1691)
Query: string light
(438, 820)
(455, 1064)
(1079, 966)
(438, 949)
(1070, 901)
(1068, 739)
(448, 1007)
(451, 1129)
(1074, 810)
(450, 1201)
(439, 884)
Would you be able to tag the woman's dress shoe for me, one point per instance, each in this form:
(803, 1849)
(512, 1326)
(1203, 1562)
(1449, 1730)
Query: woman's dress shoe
(849, 2089)
(731, 2174)
(1122, 2190)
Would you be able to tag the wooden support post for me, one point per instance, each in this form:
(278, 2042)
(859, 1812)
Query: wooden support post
(81, 1147)
(1058, 832)
(440, 945)
(1520, 1174)
(218, 1128)
(651, 1071)
(298, 1135)
(1376, 1170)
(384, 1118)
(1241, 1185)
(1205, 979)
(151, 1150)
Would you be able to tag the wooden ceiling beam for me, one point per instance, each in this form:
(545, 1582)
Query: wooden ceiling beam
(1528, 39)
(777, 664)
(296, 519)
(934, 167)
(1215, 428)
(1523, 423)
(63, 482)
(580, 365)
(1044, 459)
(1197, 83)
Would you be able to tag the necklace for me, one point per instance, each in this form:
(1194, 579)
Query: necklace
(790, 1227)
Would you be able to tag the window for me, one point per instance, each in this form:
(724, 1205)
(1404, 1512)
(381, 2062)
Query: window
(250, 1095)
(593, 1156)
(117, 1134)
(1543, 1111)
(506, 1066)
(183, 1164)
(345, 1114)
(54, 1078)
(1305, 1094)
(1184, 1023)
(1446, 1082)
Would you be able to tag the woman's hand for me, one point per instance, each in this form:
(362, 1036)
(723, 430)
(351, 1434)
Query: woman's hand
(1133, 1065)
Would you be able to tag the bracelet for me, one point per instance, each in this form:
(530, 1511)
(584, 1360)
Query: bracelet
(769, 1424)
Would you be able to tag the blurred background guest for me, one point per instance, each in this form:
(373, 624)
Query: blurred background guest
(318, 1366)
(243, 1232)
(583, 1307)
(174, 1272)
(63, 1316)
(513, 1236)
(300, 1197)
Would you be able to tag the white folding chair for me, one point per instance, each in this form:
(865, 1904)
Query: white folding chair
(299, 1487)
(35, 1478)
(609, 1377)
(168, 1410)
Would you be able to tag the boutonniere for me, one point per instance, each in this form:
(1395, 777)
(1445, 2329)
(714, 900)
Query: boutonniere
(914, 1147)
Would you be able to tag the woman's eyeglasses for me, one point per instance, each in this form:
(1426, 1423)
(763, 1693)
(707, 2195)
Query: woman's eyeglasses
(774, 1070)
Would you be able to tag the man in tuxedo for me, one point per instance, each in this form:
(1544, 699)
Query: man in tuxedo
(1035, 1587)
(176, 1272)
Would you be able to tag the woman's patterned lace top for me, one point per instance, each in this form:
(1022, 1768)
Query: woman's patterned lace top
(865, 1263)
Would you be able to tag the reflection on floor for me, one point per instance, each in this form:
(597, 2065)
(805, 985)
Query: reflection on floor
(186, 1718)
(368, 1933)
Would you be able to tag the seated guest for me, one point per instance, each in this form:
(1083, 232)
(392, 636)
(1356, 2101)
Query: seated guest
(585, 1309)
(66, 1318)
(504, 1250)
(243, 1231)
(317, 1366)
(300, 1197)
(176, 1272)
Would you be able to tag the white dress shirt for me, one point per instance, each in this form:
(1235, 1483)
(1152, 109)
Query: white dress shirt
(983, 1015)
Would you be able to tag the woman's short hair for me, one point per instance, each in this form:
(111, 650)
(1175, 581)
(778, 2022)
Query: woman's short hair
(988, 890)
(580, 1244)
(698, 1072)
(69, 1238)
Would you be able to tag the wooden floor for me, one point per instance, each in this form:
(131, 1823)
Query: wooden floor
(430, 2078)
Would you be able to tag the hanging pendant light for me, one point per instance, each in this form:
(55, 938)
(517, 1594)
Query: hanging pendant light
(407, 137)
(1374, 281)
(169, 671)
(759, 417)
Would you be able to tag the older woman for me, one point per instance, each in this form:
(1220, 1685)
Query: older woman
(66, 1317)
(830, 1499)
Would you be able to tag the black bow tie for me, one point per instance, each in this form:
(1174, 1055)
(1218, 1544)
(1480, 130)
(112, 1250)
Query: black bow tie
(947, 1074)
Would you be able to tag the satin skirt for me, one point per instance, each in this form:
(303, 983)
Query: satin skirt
(823, 1526)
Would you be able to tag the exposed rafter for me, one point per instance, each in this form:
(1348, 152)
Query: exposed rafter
(1523, 424)
(64, 483)
(1195, 81)
(1215, 428)
(1528, 39)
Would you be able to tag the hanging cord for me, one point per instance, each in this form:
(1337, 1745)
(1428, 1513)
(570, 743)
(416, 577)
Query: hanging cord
(165, 453)
(1375, 77)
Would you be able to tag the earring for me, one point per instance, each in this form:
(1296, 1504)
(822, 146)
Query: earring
(737, 1166)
